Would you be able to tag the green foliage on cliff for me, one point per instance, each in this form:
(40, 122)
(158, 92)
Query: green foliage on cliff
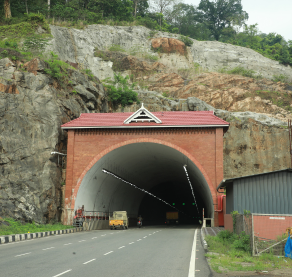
(10, 226)
(120, 92)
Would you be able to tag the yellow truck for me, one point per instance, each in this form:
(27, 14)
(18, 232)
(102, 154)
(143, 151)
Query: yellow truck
(119, 220)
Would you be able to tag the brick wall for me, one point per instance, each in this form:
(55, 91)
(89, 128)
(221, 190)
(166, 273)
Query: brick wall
(203, 146)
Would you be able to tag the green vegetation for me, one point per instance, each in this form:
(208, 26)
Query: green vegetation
(10, 226)
(210, 20)
(117, 47)
(241, 71)
(231, 252)
(120, 92)
(186, 40)
(57, 68)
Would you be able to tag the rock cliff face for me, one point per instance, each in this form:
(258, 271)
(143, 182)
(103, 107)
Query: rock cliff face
(78, 46)
(32, 108)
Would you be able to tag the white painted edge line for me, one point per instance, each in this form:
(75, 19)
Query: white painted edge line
(122, 247)
(62, 273)
(22, 254)
(81, 240)
(68, 243)
(89, 261)
(192, 268)
(131, 242)
(48, 248)
(108, 253)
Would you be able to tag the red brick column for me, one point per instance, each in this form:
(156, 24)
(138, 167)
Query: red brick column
(218, 167)
(68, 212)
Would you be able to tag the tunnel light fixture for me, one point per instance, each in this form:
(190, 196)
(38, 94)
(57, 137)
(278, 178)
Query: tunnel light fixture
(185, 168)
(136, 187)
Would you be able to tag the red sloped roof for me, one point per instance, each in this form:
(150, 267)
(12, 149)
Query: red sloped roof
(175, 119)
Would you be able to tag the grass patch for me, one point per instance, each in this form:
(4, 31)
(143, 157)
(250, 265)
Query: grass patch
(9, 226)
(241, 71)
(117, 48)
(233, 254)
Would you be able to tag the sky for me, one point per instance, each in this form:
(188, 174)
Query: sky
(272, 16)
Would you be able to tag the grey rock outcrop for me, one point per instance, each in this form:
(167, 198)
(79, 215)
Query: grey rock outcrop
(32, 109)
(78, 46)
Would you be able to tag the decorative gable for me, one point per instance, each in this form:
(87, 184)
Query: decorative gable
(142, 115)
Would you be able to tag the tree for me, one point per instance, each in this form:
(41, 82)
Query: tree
(7, 10)
(218, 15)
(163, 8)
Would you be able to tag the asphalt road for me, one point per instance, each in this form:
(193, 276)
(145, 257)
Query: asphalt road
(149, 251)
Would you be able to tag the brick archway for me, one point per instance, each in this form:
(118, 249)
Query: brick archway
(151, 140)
(195, 137)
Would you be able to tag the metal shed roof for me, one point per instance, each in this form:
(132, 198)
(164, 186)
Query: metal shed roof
(225, 182)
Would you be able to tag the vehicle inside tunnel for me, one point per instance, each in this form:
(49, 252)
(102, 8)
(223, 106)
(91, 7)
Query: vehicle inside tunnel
(152, 167)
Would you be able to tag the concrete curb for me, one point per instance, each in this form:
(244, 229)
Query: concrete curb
(204, 243)
(21, 237)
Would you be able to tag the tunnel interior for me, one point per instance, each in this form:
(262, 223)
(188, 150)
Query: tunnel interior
(156, 168)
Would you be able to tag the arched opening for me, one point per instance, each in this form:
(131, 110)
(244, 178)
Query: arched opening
(154, 167)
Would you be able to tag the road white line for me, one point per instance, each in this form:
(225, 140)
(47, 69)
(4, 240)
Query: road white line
(139, 239)
(145, 237)
(22, 254)
(48, 248)
(111, 233)
(68, 243)
(94, 238)
(122, 247)
(62, 273)
(108, 253)
(103, 235)
(89, 261)
(150, 234)
(81, 240)
(131, 242)
(192, 268)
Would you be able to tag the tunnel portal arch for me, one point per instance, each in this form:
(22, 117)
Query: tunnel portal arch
(134, 149)
(154, 162)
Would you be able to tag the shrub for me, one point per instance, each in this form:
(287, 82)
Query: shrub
(186, 40)
(119, 91)
(57, 68)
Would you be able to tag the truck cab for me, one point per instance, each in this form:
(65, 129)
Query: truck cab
(119, 220)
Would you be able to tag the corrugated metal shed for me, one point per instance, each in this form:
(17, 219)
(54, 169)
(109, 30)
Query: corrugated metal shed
(266, 193)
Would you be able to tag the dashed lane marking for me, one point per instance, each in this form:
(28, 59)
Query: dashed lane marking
(131, 242)
(22, 254)
(68, 243)
(122, 247)
(81, 240)
(108, 253)
(63, 273)
(103, 235)
(145, 237)
(94, 238)
(139, 239)
(48, 248)
(89, 261)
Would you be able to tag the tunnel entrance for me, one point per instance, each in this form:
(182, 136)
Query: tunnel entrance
(151, 155)
(153, 167)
